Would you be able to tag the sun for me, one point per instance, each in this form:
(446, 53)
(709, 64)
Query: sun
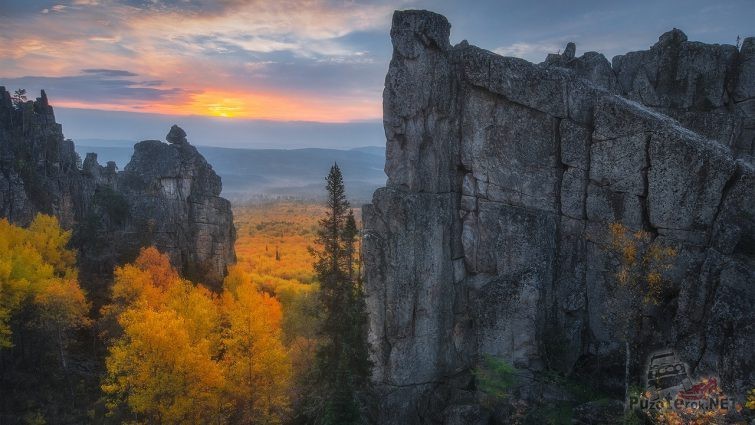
(240, 105)
(218, 106)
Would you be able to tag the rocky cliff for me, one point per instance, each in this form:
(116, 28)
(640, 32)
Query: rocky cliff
(503, 176)
(167, 196)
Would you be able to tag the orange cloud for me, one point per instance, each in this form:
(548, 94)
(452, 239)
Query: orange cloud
(189, 51)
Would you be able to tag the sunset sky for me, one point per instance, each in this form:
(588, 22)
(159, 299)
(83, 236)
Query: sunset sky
(146, 63)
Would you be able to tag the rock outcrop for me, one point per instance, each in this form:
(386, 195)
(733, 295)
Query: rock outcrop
(490, 237)
(705, 87)
(167, 196)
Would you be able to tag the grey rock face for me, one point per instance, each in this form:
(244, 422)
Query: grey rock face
(491, 236)
(176, 135)
(744, 98)
(422, 296)
(418, 127)
(745, 86)
(174, 195)
(167, 196)
(39, 166)
(591, 66)
(682, 74)
(700, 85)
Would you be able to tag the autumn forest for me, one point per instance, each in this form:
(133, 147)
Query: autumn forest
(164, 349)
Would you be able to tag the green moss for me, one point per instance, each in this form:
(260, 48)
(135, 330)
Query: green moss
(495, 377)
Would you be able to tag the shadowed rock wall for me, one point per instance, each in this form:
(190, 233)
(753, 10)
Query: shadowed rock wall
(490, 237)
(167, 196)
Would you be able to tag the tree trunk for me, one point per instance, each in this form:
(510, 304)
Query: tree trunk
(626, 373)
(64, 365)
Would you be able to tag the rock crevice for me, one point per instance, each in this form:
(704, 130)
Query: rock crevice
(503, 176)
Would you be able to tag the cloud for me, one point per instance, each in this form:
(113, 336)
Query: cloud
(101, 87)
(105, 39)
(284, 56)
(263, 57)
(122, 90)
(109, 72)
(233, 43)
(308, 29)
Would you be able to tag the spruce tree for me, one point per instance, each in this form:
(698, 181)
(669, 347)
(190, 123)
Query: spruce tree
(343, 365)
(350, 233)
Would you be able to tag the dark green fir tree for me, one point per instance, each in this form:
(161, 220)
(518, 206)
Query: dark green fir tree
(343, 365)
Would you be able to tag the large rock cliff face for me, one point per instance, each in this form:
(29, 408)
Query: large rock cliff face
(490, 237)
(167, 196)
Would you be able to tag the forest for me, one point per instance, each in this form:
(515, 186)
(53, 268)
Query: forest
(164, 349)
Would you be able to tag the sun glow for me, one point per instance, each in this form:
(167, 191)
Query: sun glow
(271, 106)
(227, 105)
(222, 104)
(225, 59)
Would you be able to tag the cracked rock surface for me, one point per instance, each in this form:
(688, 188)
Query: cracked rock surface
(503, 176)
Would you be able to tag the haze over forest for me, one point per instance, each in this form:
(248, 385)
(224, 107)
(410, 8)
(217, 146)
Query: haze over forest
(265, 174)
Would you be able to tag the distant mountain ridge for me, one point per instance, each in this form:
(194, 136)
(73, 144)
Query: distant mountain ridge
(82, 124)
(269, 173)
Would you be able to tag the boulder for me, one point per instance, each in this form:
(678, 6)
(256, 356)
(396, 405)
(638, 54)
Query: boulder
(176, 135)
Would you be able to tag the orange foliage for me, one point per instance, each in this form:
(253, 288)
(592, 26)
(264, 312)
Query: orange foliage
(254, 358)
(249, 340)
(186, 355)
(642, 261)
(286, 227)
(272, 249)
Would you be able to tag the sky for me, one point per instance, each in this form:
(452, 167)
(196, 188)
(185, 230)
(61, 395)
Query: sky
(288, 73)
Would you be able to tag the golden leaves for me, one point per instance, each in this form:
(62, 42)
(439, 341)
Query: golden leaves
(37, 269)
(642, 261)
(189, 356)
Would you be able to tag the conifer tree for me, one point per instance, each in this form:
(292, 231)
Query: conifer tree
(350, 233)
(19, 97)
(343, 365)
